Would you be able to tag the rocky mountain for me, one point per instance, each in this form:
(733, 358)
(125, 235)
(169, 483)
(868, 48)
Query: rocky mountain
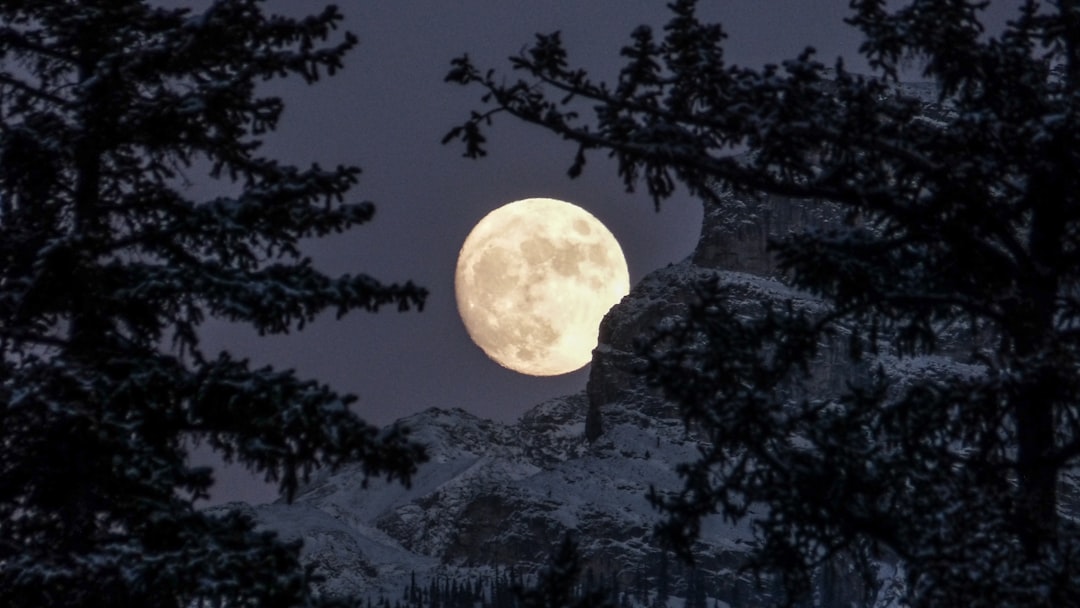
(502, 496)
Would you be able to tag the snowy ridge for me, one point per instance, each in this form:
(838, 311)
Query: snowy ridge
(492, 495)
(502, 496)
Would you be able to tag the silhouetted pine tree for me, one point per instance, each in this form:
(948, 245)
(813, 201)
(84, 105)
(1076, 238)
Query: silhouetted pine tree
(559, 584)
(696, 590)
(663, 582)
(107, 269)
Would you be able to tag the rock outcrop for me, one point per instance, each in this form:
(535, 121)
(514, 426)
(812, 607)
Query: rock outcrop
(734, 246)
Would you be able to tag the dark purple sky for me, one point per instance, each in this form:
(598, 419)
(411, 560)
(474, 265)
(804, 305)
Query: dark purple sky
(388, 111)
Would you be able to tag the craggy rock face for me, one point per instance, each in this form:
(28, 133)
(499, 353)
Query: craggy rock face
(735, 234)
(734, 246)
(615, 375)
(734, 241)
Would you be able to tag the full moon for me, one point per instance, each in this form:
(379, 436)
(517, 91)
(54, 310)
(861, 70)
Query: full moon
(534, 278)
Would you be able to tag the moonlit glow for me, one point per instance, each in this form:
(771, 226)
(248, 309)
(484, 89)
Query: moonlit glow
(534, 278)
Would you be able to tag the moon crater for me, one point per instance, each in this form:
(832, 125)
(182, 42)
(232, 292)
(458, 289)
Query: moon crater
(533, 280)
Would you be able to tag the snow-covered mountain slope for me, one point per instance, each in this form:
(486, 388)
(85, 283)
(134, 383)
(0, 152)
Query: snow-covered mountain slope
(499, 495)
(493, 495)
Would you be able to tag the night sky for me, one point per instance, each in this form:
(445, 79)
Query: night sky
(387, 112)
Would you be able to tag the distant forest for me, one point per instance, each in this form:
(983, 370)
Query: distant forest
(668, 584)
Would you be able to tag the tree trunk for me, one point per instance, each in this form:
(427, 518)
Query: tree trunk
(1034, 415)
(1033, 338)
